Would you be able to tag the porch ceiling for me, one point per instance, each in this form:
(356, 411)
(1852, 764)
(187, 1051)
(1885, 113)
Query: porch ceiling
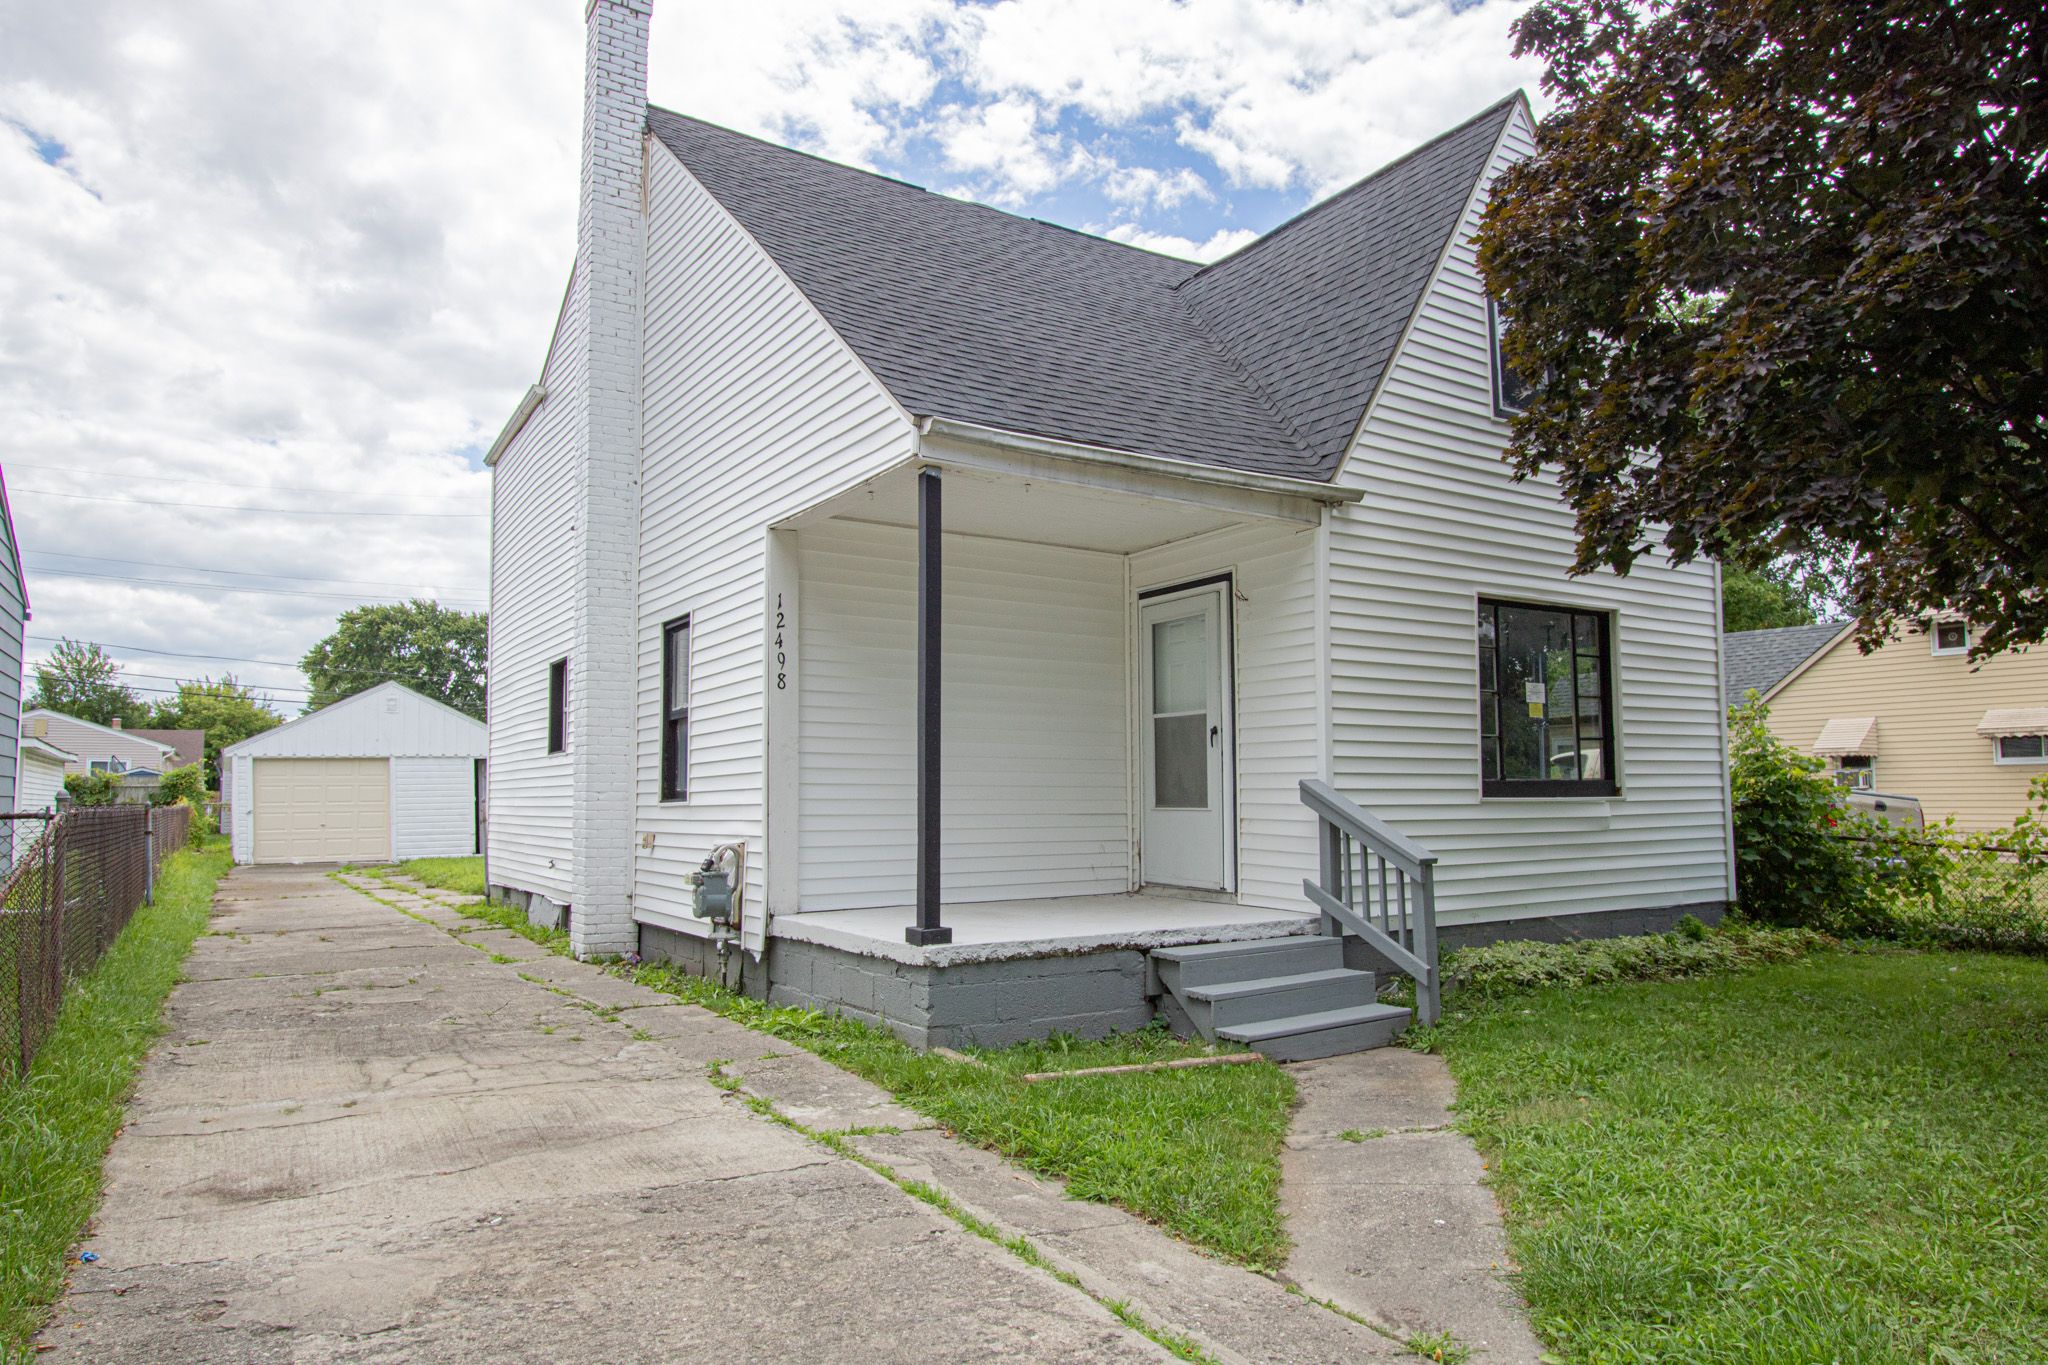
(1042, 512)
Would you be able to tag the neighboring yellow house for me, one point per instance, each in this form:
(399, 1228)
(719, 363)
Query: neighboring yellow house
(1913, 718)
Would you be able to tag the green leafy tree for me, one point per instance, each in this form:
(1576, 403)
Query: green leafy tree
(421, 644)
(1782, 270)
(228, 711)
(1760, 599)
(82, 680)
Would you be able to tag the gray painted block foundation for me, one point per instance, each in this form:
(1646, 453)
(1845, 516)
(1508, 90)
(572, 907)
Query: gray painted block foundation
(993, 1004)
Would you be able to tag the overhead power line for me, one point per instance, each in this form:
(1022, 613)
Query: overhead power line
(235, 587)
(221, 483)
(354, 675)
(229, 507)
(241, 573)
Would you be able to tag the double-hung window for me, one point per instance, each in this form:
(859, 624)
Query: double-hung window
(1546, 701)
(558, 706)
(675, 710)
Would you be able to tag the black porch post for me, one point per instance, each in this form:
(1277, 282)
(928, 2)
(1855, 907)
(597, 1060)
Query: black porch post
(928, 929)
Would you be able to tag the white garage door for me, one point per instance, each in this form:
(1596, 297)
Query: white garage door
(322, 810)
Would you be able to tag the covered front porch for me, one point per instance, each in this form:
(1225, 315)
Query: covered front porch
(1030, 717)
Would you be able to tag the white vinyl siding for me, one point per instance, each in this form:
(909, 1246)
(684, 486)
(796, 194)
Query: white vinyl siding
(388, 721)
(433, 802)
(42, 777)
(1441, 525)
(754, 410)
(532, 623)
(1035, 776)
(1275, 665)
(95, 743)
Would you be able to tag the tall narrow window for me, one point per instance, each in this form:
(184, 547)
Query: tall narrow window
(1510, 390)
(1546, 708)
(675, 710)
(558, 706)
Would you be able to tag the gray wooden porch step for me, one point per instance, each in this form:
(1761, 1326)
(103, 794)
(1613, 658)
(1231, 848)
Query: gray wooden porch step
(1325, 1033)
(1264, 997)
(1205, 964)
(1290, 998)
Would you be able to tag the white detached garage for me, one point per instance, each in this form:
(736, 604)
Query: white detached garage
(386, 773)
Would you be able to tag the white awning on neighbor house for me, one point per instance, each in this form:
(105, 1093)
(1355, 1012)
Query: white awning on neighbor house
(2001, 721)
(1847, 736)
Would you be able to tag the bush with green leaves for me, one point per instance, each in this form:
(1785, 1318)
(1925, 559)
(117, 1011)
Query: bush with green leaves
(1693, 949)
(93, 789)
(1792, 865)
(180, 784)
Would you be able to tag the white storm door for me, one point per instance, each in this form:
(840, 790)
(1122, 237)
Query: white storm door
(1185, 740)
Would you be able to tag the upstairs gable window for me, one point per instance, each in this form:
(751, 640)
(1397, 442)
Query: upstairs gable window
(1510, 389)
(1949, 637)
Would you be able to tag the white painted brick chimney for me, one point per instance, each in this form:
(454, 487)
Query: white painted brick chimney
(610, 251)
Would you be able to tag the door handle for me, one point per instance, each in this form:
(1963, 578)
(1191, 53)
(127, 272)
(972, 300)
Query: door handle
(1214, 731)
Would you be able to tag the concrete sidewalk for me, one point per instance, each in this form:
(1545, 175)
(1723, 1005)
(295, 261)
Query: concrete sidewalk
(376, 1130)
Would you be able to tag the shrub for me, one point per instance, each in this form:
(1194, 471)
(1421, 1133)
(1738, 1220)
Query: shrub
(180, 784)
(1791, 868)
(1500, 969)
(93, 789)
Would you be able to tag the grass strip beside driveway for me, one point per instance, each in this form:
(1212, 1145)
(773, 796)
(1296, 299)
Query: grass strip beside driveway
(57, 1122)
(1196, 1150)
(465, 875)
(1837, 1158)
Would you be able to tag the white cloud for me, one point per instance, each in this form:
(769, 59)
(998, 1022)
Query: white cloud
(1219, 244)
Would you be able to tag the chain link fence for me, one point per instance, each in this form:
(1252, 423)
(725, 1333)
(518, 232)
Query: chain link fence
(71, 884)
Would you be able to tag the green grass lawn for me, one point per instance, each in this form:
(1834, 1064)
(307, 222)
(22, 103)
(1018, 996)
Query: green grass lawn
(1839, 1158)
(450, 874)
(56, 1123)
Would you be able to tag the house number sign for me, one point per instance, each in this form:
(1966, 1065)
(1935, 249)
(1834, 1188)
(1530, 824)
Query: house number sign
(781, 655)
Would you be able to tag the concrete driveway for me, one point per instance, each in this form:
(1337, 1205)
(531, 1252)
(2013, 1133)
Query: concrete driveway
(363, 1138)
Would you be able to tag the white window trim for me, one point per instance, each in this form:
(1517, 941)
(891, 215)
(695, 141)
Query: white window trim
(1838, 771)
(1998, 754)
(1934, 645)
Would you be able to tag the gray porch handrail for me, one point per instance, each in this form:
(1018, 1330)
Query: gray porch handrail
(1379, 884)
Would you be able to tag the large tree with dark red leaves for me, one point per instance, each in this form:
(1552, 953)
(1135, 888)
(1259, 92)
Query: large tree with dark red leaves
(1783, 270)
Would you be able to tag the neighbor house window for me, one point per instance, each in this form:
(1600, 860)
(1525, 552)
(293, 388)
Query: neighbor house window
(558, 706)
(2023, 749)
(1857, 772)
(1950, 637)
(1546, 707)
(1510, 390)
(675, 710)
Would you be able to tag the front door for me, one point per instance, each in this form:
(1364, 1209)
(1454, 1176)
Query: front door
(1186, 739)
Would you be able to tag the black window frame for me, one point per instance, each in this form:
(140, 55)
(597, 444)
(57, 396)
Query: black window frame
(558, 706)
(1497, 364)
(1538, 787)
(675, 720)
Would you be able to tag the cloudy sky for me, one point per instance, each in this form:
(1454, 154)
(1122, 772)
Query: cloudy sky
(272, 275)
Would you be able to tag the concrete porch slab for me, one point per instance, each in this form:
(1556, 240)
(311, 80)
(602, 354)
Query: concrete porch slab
(995, 931)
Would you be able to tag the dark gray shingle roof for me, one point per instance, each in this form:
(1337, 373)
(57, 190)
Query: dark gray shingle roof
(1760, 659)
(1263, 361)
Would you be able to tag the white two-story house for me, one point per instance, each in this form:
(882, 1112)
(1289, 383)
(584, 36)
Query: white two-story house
(999, 588)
